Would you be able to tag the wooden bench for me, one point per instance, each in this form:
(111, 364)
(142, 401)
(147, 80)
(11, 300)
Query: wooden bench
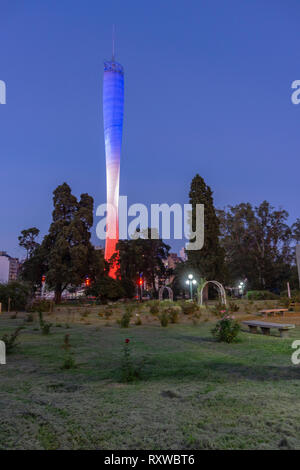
(273, 311)
(265, 327)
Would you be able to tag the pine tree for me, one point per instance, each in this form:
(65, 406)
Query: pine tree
(208, 262)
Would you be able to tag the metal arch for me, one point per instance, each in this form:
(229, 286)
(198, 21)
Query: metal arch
(220, 288)
(161, 290)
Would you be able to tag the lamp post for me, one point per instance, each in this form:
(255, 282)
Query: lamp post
(190, 281)
(241, 287)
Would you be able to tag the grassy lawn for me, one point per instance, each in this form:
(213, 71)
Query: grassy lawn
(194, 393)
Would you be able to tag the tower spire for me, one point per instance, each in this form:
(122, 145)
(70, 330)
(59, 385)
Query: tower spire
(113, 43)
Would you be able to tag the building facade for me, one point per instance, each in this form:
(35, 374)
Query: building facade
(9, 268)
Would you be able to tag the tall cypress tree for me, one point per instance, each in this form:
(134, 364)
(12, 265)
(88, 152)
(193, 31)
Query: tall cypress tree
(209, 261)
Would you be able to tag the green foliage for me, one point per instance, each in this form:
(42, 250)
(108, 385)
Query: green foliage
(154, 306)
(108, 312)
(125, 319)
(143, 255)
(164, 318)
(27, 240)
(11, 340)
(209, 261)
(130, 372)
(138, 321)
(226, 330)
(257, 241)
(68, 253)
(44, 326)
(233, 307)
(17, 292)
(40, 305)
(173, 313)
(188, 307)
(106, 289)
(69, 361)
(29, 318)
(261, 295)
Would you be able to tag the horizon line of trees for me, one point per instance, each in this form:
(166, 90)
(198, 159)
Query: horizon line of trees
(240, 242)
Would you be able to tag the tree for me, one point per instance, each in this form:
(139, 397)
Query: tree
(257, 244)
(34, 268)
(70, 255)
(27, 240)
(143, 256)
(17, 292)
(296, 230)
(209, 261)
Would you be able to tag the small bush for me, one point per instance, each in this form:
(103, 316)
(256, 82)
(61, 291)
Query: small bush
(233, 307)
(69, 361)
(174, 313)
(189, 307)
(108, 312)
(138, 320)
(129, 371)
(285, 301)
(226, 330)
(154, 306)
(125, 320)
(41, 305)
(29, 318)
(10, 340)
(261, 295)
(164, 319)
(44, 326)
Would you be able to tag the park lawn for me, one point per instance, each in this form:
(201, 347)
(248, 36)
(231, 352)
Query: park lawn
(194, 393)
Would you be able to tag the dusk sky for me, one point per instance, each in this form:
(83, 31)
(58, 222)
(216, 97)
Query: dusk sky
(207, 90)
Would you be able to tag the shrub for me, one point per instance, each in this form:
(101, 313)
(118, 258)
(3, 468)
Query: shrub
(41, 305)
(154, 306)
(17, 292)
(69, 361)
(164, 318)
(233, 307)
(226, 330)
(129, 371)
(44, 326)
(138, 320)
(108, 312)
(29, 318)
(261, 295)
(174, 313)
(10, 340)
(189, 307)
(285, 301)
(125, 320)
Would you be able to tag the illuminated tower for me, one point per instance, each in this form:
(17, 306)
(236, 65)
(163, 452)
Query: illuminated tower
(113, 108)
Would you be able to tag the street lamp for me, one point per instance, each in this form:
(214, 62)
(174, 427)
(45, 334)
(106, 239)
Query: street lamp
(241, 287)
(190, 281)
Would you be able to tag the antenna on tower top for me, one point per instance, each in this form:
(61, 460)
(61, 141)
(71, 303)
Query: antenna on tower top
(113, 43)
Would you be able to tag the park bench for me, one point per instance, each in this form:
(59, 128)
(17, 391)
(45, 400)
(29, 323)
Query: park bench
(273, 311)
(266, 326)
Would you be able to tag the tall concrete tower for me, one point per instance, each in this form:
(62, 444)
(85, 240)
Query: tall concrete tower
(113, 110)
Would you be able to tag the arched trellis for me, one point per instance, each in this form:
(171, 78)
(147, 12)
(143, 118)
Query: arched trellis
(161, 291)
(220, 289)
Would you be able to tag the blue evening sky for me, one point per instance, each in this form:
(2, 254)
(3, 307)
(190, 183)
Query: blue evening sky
(207, 90)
